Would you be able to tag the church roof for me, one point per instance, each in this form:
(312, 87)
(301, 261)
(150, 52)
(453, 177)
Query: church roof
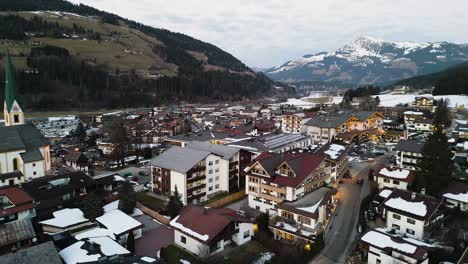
(10, 84)
(21, 137)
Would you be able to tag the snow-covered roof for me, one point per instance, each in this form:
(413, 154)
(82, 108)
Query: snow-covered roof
(76, 253)
(385, 193)
(175, 224)
(461, 197)
(66, 217)
(413, 113)
(95, 232)
(416, 208)
(334, 151)
(381, 240)
(115, 205)
(118, 222)
(397, 173)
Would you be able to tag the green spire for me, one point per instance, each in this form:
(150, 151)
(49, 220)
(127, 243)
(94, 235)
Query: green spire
(10, 85)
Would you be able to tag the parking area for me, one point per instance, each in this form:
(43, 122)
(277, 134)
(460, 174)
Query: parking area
(148, 222)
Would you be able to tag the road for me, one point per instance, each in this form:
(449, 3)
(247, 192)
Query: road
(342, 235)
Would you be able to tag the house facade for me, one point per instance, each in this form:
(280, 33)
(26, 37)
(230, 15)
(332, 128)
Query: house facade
(408, 153)
(275, 178)
(394, 177)
(292, 123)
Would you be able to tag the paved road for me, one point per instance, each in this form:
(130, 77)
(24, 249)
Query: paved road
(340, 239)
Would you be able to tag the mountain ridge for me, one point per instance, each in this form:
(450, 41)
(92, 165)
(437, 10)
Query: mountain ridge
(368, 60)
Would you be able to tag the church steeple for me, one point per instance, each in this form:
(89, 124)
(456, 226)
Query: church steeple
(13, 115)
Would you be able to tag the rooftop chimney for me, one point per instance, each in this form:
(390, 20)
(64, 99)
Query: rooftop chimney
(413, 195)
(423, 190)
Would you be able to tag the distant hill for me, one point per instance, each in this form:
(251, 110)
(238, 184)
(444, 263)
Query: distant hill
(451, 81)
(371, 61)
(75, 56)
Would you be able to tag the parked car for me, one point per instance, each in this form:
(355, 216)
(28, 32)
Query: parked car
(242, 213)
(371, 214)
(360, 181)
(347, 174)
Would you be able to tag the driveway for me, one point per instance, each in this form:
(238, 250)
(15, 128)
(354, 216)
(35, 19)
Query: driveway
(342, 235)
(148, 222)
(243, 205)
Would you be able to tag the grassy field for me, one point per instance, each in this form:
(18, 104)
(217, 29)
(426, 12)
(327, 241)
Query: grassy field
(318, 100)
(150, 201)
(121, 47)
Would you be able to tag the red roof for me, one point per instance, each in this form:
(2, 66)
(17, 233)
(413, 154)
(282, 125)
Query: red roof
(209, 222)
(20, 199)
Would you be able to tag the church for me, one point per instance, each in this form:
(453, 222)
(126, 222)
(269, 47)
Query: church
(24, 151)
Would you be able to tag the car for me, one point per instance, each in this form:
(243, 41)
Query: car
(360, 181)
(371, 214)
(347, 174)
(242, 213)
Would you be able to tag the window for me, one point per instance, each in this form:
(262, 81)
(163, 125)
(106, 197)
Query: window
(217, 170)
(210, 188)
(303, 220)
(395, 216)
(34, 164)
(183, 239)
(396, 227)
(217, 186)
(411, 221)
(210, 163)
(216, 161)
(16, 118)
(217, 178)
(247, 234)
(210, 172)
(16, 164)
(396, 182)
(378, 261)
(410, 231)
(210, 180)
(34, 173)
(386, 180)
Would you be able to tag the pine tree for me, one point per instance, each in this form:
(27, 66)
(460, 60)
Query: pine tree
(80, 131)
(127, 195)
(92, 207)
(442, 113)
(131, 242)
(175, 204)
(434, 169)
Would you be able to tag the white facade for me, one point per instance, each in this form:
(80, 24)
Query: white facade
(319, 134)
(391, 183)
(402, 224)
(377, 256)
(407, 160)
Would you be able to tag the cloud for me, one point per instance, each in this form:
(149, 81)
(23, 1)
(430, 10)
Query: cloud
(266, 33)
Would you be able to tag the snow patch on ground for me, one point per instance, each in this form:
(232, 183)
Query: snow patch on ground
(264, 258)
(389, 100)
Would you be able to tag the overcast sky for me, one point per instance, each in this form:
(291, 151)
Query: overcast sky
(269, 32)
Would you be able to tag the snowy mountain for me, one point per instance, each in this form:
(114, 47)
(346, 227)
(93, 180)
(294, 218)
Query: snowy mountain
(372, 61)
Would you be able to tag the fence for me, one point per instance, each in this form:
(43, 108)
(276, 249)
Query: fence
(227, 199)
(153, 214)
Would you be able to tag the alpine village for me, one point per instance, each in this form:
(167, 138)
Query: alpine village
(126, 143)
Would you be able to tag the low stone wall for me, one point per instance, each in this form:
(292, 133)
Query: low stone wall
(227, 199)
(153, 214)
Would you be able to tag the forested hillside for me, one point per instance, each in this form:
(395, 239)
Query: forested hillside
(84, 58)
(451, 81)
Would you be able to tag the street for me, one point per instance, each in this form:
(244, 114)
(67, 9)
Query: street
(342, 234)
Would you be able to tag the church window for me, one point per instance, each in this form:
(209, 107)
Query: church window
(15, 164)
(16, 118)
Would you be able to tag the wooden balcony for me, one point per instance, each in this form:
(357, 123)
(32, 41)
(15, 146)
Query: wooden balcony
(267, 196)
(272, 188)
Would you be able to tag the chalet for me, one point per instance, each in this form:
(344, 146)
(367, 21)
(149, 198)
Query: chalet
(412, 214)
(383, 247)
(120, 224)
(15, 204)
(68, 220)
(212, 231)
(420, 124)
(325, 128)
(302, 221)
(275, 178)
(77, 160)
(92, 250)
(394, 177)
(423, 101)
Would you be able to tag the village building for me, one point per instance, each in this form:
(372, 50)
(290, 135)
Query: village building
(24, 151)
(212, 231)
(420, 124)
(336, 162)
(409, 152)
(412, 214)
(41, 253)
(292, 123)
(383, 247)
(462, 130)
(423, 101)
(456, 194)
(92, 250)
(15, 204)
(199, 171)
(275, 178)
(394, 177)
(302, 221)
(68, 220)
(275, 143)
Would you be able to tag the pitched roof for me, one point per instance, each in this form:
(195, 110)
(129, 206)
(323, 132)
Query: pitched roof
(221, 150)
(38, 254)
(209, 222)
(179, 159)
(307, 205)
(19, 198)
(396, 173)
(331, 121)
(418, 206)
(31, 155)
(21, 137)
(302, 165)
(457, 190)
(410, 145)
(16, 231)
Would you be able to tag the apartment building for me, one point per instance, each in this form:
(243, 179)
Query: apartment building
(198, 171)
(275, 178)
(292, 123)
(408, 153)
(394, 177)
(336, 162)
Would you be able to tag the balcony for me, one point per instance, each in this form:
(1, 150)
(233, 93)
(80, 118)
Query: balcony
(272, 188)
(293, 227)
(194, 188)
(196, 196)
(267, 197)
(196, 178)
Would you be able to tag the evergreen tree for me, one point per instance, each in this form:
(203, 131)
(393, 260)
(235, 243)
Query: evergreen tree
(80, 131)
(435, 167)
(175, 204)
(442, 113)
(92, 207)
(127, 195)
(131, 242)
